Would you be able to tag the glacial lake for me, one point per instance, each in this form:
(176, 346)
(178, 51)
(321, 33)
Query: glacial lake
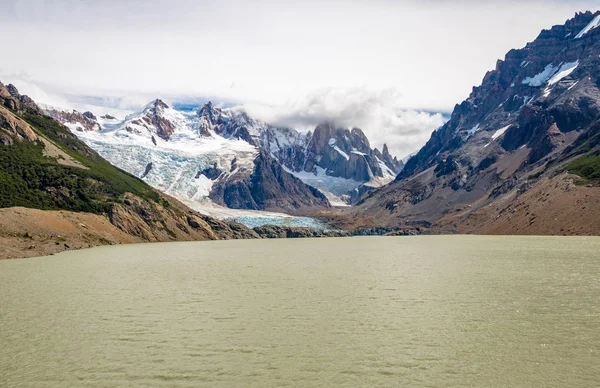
(425, 311)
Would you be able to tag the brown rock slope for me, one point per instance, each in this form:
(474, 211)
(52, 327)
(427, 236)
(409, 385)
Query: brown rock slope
(554, 206)
(28, 232)
(31, 232)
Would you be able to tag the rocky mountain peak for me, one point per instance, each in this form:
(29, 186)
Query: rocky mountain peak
(4, 90)
(160, 104)
(156, 117)
(386, 151)
(12, 99)
(14, 92)
(560, 62)
(89, 115)
(209, 117)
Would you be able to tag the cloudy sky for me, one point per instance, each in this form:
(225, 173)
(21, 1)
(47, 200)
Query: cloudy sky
(386, 66)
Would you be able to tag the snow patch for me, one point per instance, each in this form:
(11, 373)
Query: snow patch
(473, 130)
(345, 155)
(387, 172)
(564, 71)
(500, 132)
(541, 78)
(547, 91)
(593, 24)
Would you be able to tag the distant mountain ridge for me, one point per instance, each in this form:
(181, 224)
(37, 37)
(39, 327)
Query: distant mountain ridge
(336, 161)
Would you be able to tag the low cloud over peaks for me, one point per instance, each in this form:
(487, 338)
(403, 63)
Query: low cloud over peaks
(377, 112)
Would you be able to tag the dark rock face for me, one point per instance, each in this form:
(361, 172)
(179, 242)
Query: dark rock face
(147, 170)
(340, 152)
(505, 96)
(89, 115)
(211, 173)
(13, 100)
(164, 128)
(268, 187)
(528, 112)
(213, 119)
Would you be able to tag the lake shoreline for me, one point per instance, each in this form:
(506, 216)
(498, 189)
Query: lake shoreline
(26, 232)
(142, 244)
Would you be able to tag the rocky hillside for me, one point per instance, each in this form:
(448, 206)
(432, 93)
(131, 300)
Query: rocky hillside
(44, 166)
(529, 121)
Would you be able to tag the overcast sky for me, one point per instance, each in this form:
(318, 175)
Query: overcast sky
(376, 64)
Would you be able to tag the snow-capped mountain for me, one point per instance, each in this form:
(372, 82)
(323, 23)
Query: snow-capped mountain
(235, 160)
(534, 114)
(337, 161)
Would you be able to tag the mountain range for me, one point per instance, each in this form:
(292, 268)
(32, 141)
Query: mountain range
(234, 160)
(521, 155)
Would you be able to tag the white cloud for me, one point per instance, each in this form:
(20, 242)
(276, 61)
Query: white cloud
(295, 55)
(377, 112)
(269, 51)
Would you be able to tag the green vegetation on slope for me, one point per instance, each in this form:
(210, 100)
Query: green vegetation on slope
(587, 166)
(30, 179)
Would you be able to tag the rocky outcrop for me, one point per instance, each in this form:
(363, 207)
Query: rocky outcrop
(267, 187)
(75, 120)
(153, 119)
(340, 152)
(13, 100)
(12, 125)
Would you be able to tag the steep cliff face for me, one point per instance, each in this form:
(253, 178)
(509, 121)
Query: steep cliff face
(347, 153)
(525, 119)
(268, 187)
